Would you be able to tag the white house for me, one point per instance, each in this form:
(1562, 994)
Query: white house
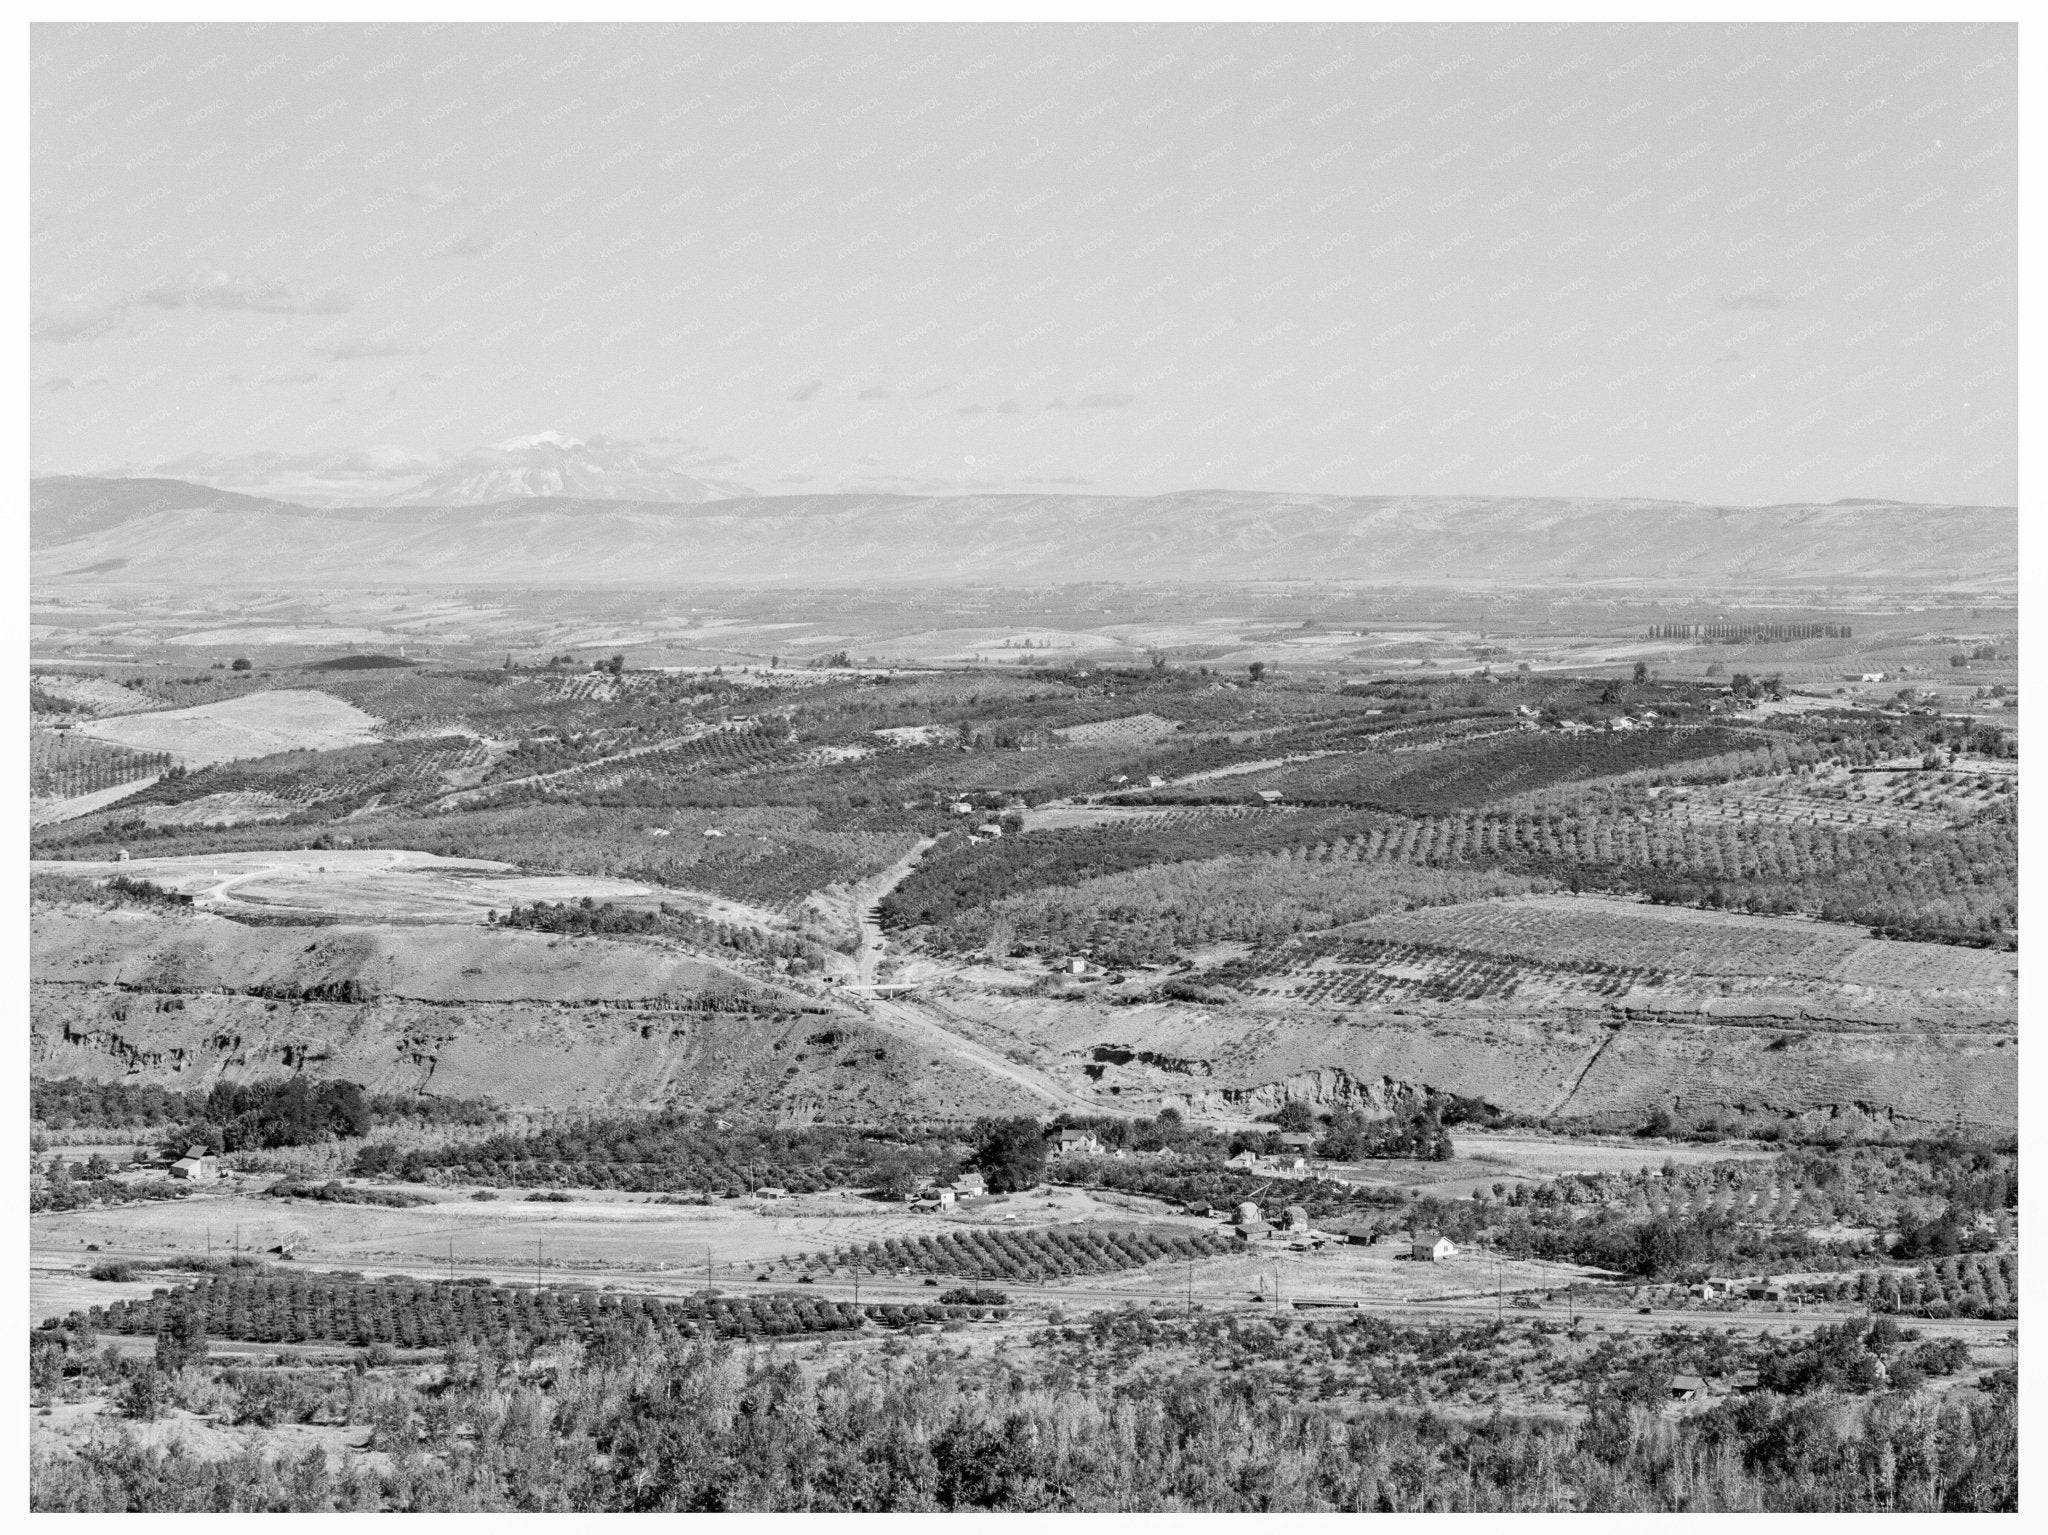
(1431, 1247)
(1075, 1143)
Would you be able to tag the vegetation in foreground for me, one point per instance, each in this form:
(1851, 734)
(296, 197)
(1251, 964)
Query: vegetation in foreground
(1135, 1410)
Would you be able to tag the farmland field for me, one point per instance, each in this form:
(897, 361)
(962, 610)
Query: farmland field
(362, 884)
(284, 719)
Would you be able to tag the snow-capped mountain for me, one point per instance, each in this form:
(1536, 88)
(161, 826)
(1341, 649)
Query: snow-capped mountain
(555, 464)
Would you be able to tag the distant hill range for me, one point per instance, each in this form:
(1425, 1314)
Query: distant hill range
(154, 530)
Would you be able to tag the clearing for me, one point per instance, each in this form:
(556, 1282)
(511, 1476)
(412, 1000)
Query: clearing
(254, 725)
(378, 885)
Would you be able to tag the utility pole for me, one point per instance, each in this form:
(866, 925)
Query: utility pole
(451, 1260)
(536, 1264)
(1499, 1294)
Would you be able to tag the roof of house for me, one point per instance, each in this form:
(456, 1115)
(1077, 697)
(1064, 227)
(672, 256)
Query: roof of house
(197, 1151)
(1297, 1138)
(1070, 1136)
(1688, 1383)
(1430, 1238)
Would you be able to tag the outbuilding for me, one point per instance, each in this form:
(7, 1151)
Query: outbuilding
(1431, 1247)
(198, 1164)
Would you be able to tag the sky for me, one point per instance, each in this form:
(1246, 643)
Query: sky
(1743, 264)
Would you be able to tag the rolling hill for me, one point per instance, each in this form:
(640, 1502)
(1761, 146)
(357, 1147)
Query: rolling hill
(162, 530)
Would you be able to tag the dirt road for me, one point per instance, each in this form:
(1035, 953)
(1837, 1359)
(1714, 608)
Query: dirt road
(922, 1025)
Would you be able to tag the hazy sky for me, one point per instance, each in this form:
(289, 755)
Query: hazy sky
(1744, 263)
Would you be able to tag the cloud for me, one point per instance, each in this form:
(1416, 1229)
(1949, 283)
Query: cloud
(219, 290)
(304, 377)
(461, 245)
(1754, 298)
(874, 394)
(349, 351)
(57, 385)
(76, 320)
(1008, 408)
(803, 392)
(434, 194)
(972, 410)
(1055, 404)
(1114, 401)
(1724, 359)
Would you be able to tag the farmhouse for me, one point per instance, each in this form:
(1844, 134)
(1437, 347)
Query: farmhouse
(1702, 1291)
(197, 1164)
(936, 1197)
(1296, 1140)
(1243, 1159)
(1764, 1289)
(1687, 1388)
(1431, 1247)
(1074, 1143)
(970, 1184)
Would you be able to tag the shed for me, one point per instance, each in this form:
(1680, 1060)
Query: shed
(198, 1164)
(1702, 1291)
(933, 1196)
(1271, 796)
(1687, 1388)
(1294, 1140)
(771, 1193)
(1431, 1247)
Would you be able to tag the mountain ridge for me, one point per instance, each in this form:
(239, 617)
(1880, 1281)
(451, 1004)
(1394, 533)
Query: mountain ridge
(160, 530)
